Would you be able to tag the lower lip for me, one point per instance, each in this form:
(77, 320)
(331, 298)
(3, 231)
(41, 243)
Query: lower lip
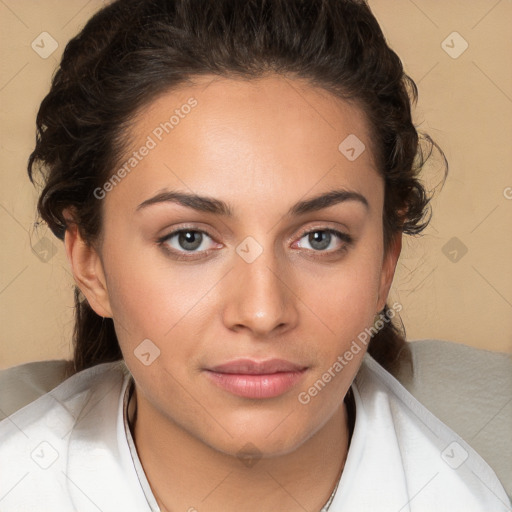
(256, 386)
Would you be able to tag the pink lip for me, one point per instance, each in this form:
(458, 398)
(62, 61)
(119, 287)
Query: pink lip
(253, 379)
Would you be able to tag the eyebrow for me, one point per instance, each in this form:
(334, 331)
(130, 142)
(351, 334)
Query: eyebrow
(219, 207)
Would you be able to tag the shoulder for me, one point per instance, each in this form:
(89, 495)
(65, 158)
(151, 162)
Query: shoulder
(469, 389)
(39, 440)
(22, 384)
(42, 386)
(434, 458)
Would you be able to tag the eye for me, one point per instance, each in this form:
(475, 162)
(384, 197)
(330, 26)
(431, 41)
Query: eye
(184, 241)
(324, 240)
(188, 243)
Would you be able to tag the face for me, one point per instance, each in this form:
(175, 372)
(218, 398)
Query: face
(247, 297)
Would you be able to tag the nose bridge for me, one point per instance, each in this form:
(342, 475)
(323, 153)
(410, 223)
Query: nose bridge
(262, 300)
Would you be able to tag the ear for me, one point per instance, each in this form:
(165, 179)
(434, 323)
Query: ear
(388, 269)
(87, 268)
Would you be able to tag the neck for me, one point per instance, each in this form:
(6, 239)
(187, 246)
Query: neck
(186, 474)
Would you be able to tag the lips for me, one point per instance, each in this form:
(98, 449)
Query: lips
(250, 367)
(256, 379)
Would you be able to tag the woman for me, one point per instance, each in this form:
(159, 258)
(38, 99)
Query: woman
(216, 170)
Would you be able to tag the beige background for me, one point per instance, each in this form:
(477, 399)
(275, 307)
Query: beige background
(465, 104)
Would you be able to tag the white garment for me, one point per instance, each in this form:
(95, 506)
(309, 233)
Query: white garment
(71, 450)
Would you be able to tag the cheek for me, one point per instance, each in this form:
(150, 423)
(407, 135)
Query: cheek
(171, 304)
(344, 299)
(151, 300)
(343, 307)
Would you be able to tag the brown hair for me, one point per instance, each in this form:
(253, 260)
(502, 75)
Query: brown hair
(133, 50)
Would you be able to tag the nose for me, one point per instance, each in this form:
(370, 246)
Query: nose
(261, 298)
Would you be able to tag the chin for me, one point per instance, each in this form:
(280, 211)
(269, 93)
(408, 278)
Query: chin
(262, 438)
(250, 448)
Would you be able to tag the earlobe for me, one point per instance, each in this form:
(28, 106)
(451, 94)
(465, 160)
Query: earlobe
(87, 269)
(388, 269)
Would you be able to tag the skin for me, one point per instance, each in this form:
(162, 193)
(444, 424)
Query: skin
(260, 146)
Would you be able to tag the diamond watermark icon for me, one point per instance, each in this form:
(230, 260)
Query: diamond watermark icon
(44, 249)
(454, 455)
(454, 249)
(146, 352)
(249, 249)
(44, 454)
(351, 147)
(454, 45)
(44, 45)
(249, 455)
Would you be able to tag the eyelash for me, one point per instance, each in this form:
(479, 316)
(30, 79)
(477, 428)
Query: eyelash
(180, 255)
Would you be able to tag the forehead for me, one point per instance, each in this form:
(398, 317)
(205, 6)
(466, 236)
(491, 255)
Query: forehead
(250, 139)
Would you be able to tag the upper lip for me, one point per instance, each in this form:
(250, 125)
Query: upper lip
(251, 367)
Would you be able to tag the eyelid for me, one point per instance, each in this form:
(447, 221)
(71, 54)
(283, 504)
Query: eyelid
(186, 227)
(344, 237)
(346, 240)
(326, 228)
(161, 241)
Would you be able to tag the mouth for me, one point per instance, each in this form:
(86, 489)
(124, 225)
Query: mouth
(256, 379)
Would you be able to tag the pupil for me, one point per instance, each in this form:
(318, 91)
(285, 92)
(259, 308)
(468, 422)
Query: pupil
(320, 238)
(190, 240)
